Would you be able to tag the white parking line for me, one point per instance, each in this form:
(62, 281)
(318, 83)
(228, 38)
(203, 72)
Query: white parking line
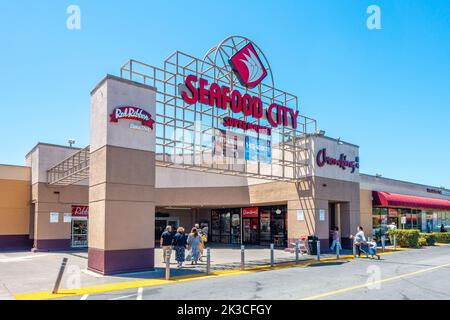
(21, 258)
(139, 294)
(84, 297)
(123, 297)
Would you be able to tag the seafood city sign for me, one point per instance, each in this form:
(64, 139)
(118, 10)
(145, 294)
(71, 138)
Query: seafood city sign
(250, 71)
(323, 159)
(223, 97)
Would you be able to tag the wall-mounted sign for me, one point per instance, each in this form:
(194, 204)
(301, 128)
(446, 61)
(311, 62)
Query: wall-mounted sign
(250, 212)
(403, 220)
(322, 215)
(248, 67)
(132, 113)
(300, 215)
(54, 217)
(222, 97)
(438, 191)
(67, 217)
(244, 125)
(258, 150)
(393, 212)
(80, 211)
(322, 160)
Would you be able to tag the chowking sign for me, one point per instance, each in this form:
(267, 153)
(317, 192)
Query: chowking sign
(323, 159)
(132, 113)
(250, 71)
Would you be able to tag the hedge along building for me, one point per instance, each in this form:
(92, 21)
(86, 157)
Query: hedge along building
(208, 141)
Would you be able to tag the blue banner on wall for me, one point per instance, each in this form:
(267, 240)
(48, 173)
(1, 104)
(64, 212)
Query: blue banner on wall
(258, 150)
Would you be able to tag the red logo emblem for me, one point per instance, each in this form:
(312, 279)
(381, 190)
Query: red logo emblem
(132, 113)
(248, 67)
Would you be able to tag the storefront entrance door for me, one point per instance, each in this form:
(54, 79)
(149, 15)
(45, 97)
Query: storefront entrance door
(161, 224)
(79, 233)
(251, 235)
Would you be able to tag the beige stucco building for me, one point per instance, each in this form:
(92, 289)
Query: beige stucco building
(334, 197)
(281, 181)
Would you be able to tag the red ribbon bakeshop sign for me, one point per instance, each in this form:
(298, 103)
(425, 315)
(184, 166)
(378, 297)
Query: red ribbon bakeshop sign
(80, 211)
(132, 113)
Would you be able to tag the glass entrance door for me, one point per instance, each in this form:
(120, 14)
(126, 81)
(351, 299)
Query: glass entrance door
(79, 233)
(251, 230)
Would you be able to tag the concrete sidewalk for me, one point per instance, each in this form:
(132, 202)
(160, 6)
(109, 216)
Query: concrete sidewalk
(22, 272)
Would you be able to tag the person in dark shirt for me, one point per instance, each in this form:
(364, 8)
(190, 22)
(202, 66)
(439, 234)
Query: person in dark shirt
(179, 243)
(166, 242)
(443, 228)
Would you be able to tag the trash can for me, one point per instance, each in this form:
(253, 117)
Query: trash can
(312, 245)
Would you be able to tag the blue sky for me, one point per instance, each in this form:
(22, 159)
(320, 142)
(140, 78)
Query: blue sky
(386, 90)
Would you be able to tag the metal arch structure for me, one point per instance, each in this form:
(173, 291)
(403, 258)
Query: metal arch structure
(225, 50)
(181, 128)
(184, 132)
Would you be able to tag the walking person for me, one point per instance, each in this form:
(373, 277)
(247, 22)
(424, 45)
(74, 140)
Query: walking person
(194, 242)
(443, 228)
(166, 242)
(179, 243)
(202, 244)
(336, 239)
(359, 240)
(373, 248)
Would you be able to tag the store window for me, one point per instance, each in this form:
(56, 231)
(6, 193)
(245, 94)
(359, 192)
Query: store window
(405, 218)
(260, 225)
(225, 226)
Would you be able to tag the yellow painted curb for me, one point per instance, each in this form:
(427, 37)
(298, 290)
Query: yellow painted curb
(117, 286)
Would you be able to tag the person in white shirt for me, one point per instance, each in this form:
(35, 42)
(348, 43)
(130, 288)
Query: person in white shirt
(393, 226)
(359, 239)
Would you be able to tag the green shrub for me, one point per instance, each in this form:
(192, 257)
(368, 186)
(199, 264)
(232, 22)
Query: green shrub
(430, 238)
(422, 242)
(406, 238)
(442, 237)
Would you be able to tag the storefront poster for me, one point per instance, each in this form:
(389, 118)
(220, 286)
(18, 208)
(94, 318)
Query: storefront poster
(228, 144)
(67, 217)
(54, 217)
(392, 212)
(403, 220)
(258, 150)
(300, 215)
(322, 215)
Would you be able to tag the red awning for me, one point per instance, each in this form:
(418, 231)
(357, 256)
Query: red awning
(386, 199)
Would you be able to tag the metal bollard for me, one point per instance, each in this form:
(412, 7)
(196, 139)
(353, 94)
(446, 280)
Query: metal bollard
(383, 243)
(318, 249)
(272, 258)
(338, 250)
(208, 261)
(242, 257)
(168, 254)
(395, 242)
(60, 275)
(297, 247)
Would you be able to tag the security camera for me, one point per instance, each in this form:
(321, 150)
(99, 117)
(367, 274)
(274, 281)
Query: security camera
(71, 142)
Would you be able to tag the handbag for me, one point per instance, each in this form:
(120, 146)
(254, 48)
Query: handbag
(189, 257)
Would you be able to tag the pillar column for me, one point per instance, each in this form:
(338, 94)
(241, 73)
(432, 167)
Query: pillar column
(121, 178)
